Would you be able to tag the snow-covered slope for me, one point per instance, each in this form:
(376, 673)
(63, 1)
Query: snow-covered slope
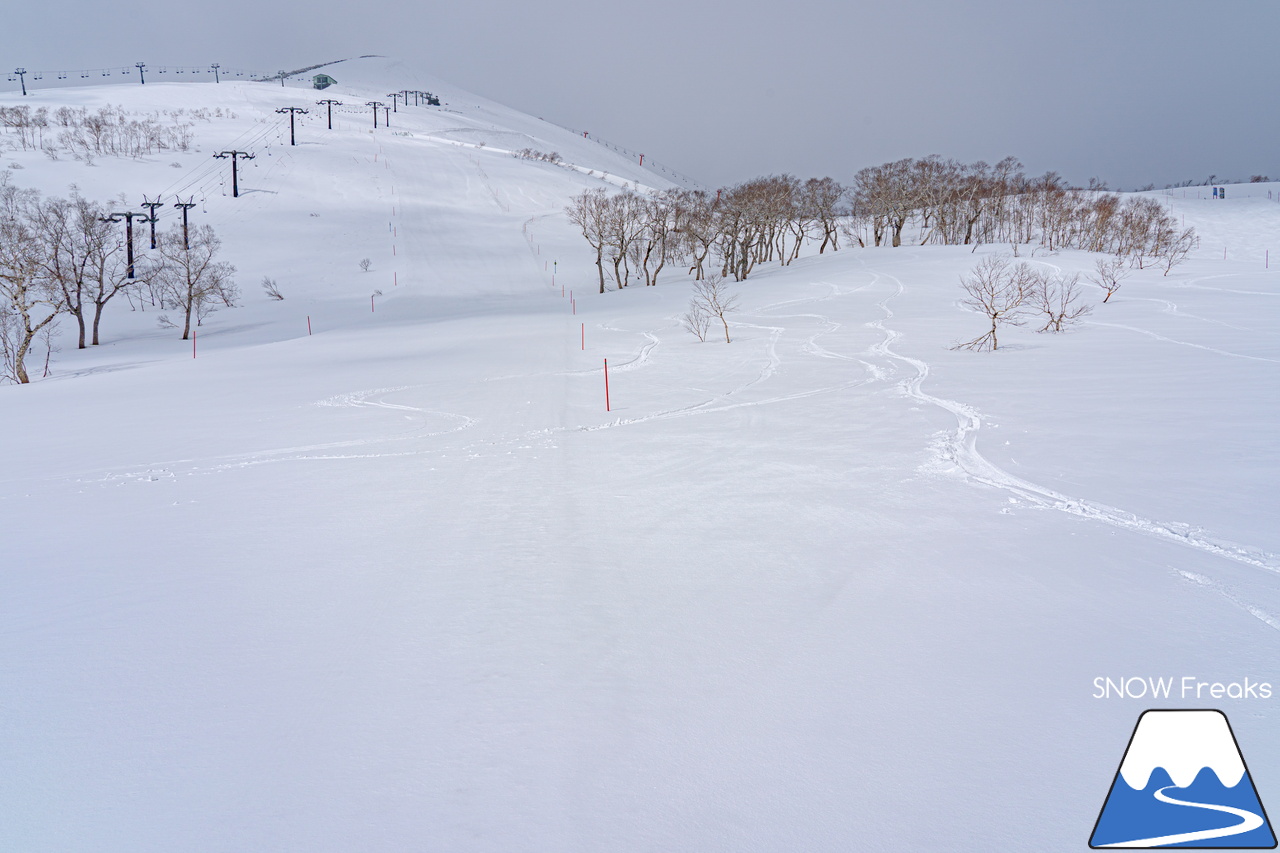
(405, 584)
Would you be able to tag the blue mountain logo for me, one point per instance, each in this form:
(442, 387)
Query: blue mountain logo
(1183, 783)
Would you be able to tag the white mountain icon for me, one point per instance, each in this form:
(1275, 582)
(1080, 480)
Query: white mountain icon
(1183, 782)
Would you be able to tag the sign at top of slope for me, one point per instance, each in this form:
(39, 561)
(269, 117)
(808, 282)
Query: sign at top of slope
(1183, 783)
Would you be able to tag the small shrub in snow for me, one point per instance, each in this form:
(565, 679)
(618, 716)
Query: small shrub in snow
(997, 291)
(711, 297)
(533, 154)
(1108, 274)
(272, 291)
(1057, 298)
(365, 263)
(697, 321)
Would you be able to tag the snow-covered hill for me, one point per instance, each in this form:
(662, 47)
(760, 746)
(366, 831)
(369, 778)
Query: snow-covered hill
(404, 584)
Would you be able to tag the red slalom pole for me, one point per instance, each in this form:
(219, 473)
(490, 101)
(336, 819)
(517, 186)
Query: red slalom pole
(606, 385)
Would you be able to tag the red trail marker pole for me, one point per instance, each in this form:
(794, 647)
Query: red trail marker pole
(584, 337)
(308, 324)
(606, 385)
(371, 308)
(193, 343)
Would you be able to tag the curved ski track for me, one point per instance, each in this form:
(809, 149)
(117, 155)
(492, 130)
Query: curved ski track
(960, 449)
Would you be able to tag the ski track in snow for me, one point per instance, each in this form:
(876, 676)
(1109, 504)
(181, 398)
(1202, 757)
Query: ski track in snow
(1194, 284)
(1172, 308)
(1160, 337)
(1212, 585)
(954, 452)
(371, 399)
(959, 449)
(772, 362)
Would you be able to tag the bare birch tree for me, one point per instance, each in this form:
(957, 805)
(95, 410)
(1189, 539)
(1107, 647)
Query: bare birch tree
(997, 291)
(190, 277)
(711, 296)
(28, 301)
(589, 211)
(1058, 299)
(1108, 274)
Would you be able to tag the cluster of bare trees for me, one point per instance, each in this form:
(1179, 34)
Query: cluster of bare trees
(1008, 294)
(636, 235)
(66, 257)
(534, 154)
(928, 200)
(953, 203)
(109, 131)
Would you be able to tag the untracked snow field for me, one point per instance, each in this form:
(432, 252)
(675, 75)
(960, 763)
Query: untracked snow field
(404, 584)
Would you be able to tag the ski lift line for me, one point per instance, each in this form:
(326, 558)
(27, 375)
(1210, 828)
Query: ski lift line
(79, 74)
(185, 182)
(624, 150)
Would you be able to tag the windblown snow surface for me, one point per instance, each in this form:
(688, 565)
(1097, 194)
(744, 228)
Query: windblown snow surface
(404, 584)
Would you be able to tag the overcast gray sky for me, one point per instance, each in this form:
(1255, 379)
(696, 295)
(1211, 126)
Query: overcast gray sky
(1131, 91)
